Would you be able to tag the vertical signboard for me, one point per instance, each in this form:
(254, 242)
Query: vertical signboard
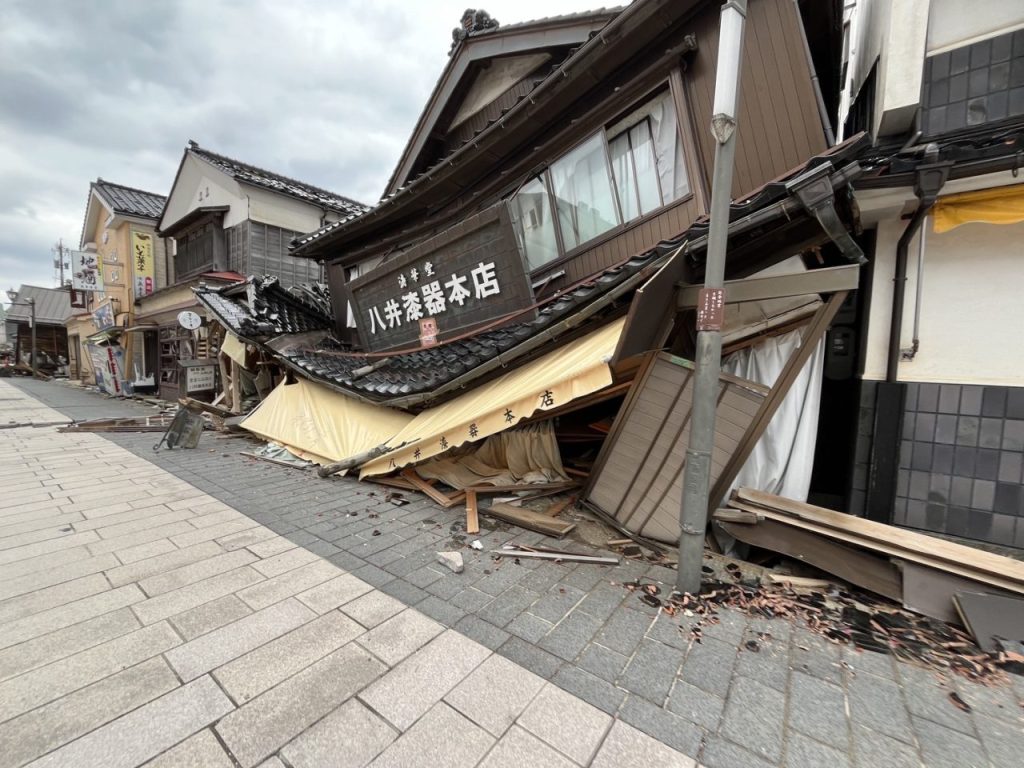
(85, 271)
(142, 264)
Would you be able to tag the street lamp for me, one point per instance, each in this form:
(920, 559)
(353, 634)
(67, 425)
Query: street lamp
(30, 302)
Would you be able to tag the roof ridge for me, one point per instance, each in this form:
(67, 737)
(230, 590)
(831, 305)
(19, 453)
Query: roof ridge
(101, 180)
(193, 146)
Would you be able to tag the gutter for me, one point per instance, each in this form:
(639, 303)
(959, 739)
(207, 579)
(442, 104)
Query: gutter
(929, 179)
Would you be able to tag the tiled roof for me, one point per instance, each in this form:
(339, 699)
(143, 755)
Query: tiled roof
(130, 201)
(53, 306)
(275, 182)
(414, 375)
(545, 21)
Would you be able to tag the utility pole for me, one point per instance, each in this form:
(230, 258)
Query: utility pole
(693, 516)
(32, 322)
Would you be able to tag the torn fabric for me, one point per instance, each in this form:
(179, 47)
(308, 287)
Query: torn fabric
(999, 205)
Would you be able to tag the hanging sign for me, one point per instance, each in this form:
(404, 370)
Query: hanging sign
(103, 316)
(85, 271)
(142, 263)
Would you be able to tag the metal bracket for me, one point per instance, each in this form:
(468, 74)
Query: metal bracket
(815, 192)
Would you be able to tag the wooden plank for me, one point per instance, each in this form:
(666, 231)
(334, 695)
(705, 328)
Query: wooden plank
(472, 515)
(225, 380)
(236, 388)
(888, 549)
(871, 572)
(424, 487)
(559, 506)
(526, 518)
(502, 489)
(934, 548)
(815, 330)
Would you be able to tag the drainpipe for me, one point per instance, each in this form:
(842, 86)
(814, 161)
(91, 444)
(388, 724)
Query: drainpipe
(929, 180)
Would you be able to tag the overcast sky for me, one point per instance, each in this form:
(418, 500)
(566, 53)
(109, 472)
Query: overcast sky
(325, 92)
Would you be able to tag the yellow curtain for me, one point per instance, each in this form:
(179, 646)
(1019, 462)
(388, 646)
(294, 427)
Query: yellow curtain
(321, 425)
(999, 205)
(575, 370)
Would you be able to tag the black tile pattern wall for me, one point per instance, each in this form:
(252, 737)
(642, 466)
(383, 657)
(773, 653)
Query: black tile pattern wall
(962, 462)
(975, 84)
(862, 450)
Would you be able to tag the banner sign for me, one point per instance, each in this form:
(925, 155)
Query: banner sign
(85, 271)
(103, 316)
(142, 264)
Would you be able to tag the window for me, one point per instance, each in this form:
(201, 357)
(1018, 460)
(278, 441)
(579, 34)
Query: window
(625, 171)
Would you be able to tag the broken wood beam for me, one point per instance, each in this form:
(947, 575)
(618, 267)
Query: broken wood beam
(527, 518)
(511, 550)
(426, 488)
(472, 514)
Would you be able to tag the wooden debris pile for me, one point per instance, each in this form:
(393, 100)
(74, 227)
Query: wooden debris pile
(841, 616)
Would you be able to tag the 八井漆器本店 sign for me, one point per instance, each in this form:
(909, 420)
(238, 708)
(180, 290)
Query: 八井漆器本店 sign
(460, 279)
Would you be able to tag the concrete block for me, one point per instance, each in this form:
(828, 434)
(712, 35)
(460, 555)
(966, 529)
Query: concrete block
(495, 694)
(520, 748)
(625, 745)
(145, 551)
(373, 608)
(147, 731)
(189, 574)
(452, 561)
(400, 636)
(261, 669)
(180, 600)
(64, 615)
(51, 597)
(162, 563)
(199, 751)
(212, 532)
(568, 724)
(286, 561)
(289, 583)
(210, 616)
(263, 725)
(215, 648)
(334, 593)
(131, 540)
(753, 718)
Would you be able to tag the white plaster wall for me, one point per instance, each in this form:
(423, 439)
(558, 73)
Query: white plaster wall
(276, 210)
(954, 23)
(200, 185)
(972, 311)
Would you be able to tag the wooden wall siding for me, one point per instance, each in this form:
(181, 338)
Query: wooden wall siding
(638, 238)
(638, 479)
(492, 111)
(268, 255)
(779, 124)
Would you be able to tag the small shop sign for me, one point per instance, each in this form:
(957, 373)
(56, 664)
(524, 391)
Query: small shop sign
(200, 375)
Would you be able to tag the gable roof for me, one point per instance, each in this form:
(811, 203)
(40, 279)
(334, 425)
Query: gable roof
(489, 42)
(53, 306)
(128, 200)
(275, 182)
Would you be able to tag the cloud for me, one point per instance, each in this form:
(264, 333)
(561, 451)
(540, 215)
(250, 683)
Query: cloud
(324, 92)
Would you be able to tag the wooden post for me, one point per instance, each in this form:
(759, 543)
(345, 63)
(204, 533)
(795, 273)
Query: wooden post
(225, 380)
(472, 518)
(236, 388)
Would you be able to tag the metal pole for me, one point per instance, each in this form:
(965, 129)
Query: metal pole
(693, 516)
(32, 322)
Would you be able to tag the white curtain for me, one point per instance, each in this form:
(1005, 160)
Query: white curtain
(782, 460)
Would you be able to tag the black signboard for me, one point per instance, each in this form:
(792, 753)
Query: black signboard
(466, 276)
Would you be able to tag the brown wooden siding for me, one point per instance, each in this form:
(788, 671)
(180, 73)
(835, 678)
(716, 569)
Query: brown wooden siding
(638, 475)
(779, 124)
(466, 130)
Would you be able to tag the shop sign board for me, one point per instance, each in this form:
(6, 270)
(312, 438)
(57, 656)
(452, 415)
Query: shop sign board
(86, 274)
(200, 375)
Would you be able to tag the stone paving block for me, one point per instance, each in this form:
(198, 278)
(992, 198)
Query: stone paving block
(571, 726)
(164, 564)
(441, 737)
(659, 723)
(878, 664)
(414, 686)
(482, 631)
(473, 600)
(10, 539)
(145, 551)
(709, 665)
(209, 616)
(815, 656)
(602, 662)
(1003, 741)
(261, 669)
(262, 726)
(51, 597)
(624, 630)
(943, 747)
(334, 593)
(408, 593)
(651, 671)
(157, 517)
(47, 525)
(269, 547)
(199, 751)
(32, 567)
(754, 718)
(531, 657)
(520, 748)
(373, 608)
(65, 642)
(696, 705)
(289, 583)
(145, 732)
(571, 635)
(131, 540)
(626, 745)
(400, 636)
(872, 749)
(555, 604)
(48, 727)
(160, 583)
(14, 582)
(721, 753)
(180, 600)
(818, 709)
(803, 752)
(247, 538)
(475, 696)
(769, 665)
(928, 700)
(529, 627)
(41, 623)
(371, 574)
(590, 688)
(878, 704)
(215, 648)
(66, 541)
(349, 737)
(32, 689)
(441, 611)
(212, 532)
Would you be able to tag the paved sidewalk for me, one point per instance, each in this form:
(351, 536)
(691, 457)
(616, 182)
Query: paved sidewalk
(143, 621)
(798, 701)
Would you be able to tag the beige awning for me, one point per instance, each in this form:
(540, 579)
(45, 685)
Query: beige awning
(321, 425)
(577, 369)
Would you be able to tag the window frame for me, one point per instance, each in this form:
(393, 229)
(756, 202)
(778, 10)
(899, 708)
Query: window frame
(667, 87)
